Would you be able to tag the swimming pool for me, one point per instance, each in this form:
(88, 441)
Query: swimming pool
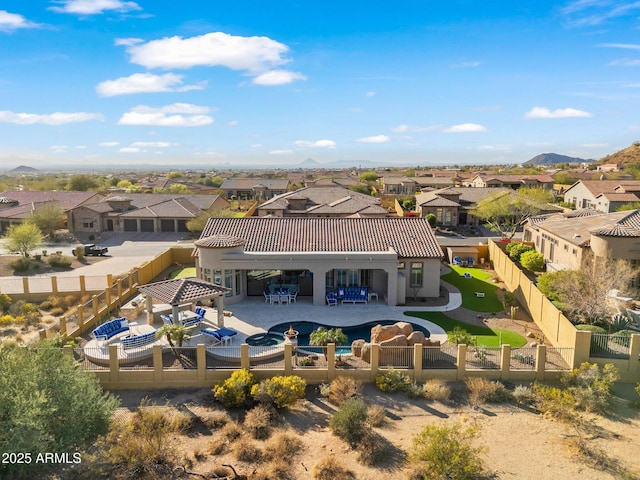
(275, 334)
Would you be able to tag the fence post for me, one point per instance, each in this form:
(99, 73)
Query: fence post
(245, 360)
(54, 285)
(331, 361)
(25, 285)
(157, 363)
(505, 362)
(80, 309)
(634, 352)
(114, 365)
(288, 358)
(63, 325)
(417, 362)
(462, 361)
(582, 349)
(541, 360)
(375, 360)
(83, 285)
(68, 350)
(94, 305)
(201, 362)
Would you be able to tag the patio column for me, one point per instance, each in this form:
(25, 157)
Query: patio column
(149, 308)
(319, 285)
(220, 310)
(392, 286)
(175, 311)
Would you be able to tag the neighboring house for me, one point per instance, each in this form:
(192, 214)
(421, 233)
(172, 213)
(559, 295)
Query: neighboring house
(510, 181)
(400, 185)
(344, 182)
(394, 257)
(608, 167)
(142, 212)
(568, 240)
(586, 193)
(253, 188)
(322, 202)
(18, 205)
(435, 182)
(452, 206)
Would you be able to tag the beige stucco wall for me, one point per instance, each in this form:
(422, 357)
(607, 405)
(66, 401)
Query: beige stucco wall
(627, 248)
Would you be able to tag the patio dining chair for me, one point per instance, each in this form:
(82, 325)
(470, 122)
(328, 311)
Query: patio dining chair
(268, 298)
(457, 261)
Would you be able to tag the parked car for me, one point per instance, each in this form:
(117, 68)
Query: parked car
(93, 250)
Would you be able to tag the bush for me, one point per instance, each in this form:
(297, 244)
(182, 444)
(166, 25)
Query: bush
(414, 391)
(437, 390)
(57, 312)
(328, 468)
(8, 320)
(591, 386)
(5, 302)
(247, 451)
(460, 336)
(376, 415)
(46, 305)
(20, 264)
(532, 260)
(392, 380)
(372, 449)
(516, 249)
(214, 420)
(622, 337)
(258, 421)
(282, 445)
(523, 394)
(281, 391)
(555, 402)
(350, 422)
(59, 261)
(447, 452)
(234, 391)
(342, 389)
(482, 391)
(590, 328)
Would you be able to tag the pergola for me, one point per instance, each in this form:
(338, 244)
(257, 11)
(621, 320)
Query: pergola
(183, 290)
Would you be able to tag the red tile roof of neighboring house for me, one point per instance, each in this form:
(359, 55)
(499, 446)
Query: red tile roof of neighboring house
(408, 237)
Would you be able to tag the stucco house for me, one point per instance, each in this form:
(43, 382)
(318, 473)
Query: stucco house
(568, 240)
(322, 202)
(254, 188)
(510, 181)
(142, 212)
(602, 195)
(400, 185)
(393, 257)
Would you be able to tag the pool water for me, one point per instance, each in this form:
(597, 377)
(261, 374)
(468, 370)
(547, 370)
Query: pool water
(275, 334)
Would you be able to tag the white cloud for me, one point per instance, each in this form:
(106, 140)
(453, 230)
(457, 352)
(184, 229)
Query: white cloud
(59, 148)
(152, 144)
(174, 115)
(277, 77)
(582, 13)
(144, 83)
(494, 148)
(465, 128)
(280, 152)
(412, 128)
(374, 139)
(126, 42)
(594, 145)
(108, 144)
(129, 150)
(13, 21)
(625, 62)
(57, 118)
(316, 144)
(624, 46)
(92, 7)
(542, 112)
(370, 94)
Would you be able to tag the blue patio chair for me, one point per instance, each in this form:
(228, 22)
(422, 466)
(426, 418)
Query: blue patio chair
(457, 261)
(167, 320)
(467, 275)
(470, 261)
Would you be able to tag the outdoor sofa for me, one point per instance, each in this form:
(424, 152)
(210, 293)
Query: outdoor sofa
(111, 328)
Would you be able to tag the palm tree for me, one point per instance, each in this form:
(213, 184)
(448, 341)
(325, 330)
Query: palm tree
(323, 336)
(174, 333)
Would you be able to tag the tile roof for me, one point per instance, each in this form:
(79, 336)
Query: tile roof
(67, 200)
(596, 187)
(616, 230)
(326, 201)
(220, 241)
(249, 183)
(172, 207)
(432, 199)
(408, 237)
(577, 229)
(182, 290)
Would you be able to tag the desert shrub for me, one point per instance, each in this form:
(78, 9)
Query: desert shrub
(247, 451)
(7, 320)
(59, 261)
(28, 311)
(482, 391)
(554, 402)
(46, 305)
(532, 260)
(459, 336)
(372, 449)
(523, 394)
(21, 264)
(392, 380)
(282, 445)
(622, 336)
(258, 421)
(328, 468)
(79, 252)
(217, 446)
(436, 390)
(447, 452)
(280, 391)
(376, 415)
(234, 391)
(342, 389)
(350, 422)
(5, 302)
(69, 300)
(214, 420)
(231, 431)
(414, 391)
(591, 386)
(57, 312)
(276, 470)
(590, 328)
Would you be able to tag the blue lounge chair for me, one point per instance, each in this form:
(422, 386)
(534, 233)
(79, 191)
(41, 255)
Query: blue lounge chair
(470, 261)
(457, 261)
(220, 335)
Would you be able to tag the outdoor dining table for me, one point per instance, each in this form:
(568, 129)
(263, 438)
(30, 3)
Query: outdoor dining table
(281, 295)
(186, 315)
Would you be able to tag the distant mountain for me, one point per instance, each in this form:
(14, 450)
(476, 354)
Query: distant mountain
(554, 159)
(23, 169)
(626, 157)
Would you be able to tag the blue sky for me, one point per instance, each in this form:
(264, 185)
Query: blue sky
(115, 82)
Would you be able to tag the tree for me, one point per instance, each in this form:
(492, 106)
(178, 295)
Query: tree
(49, 217)
(81, 183)
(431, 218)
(23, 238)
(48, 405)
(179, 188)
(323, 336)
(175, 334)
(564, 178)
(532, 260)
(628, 206)
(360, 188)
(198, 223)
(506, 211)
(369, 177)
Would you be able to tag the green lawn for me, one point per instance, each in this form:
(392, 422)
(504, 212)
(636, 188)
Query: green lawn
(183, 273)
(486, 337)
(469, 286)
